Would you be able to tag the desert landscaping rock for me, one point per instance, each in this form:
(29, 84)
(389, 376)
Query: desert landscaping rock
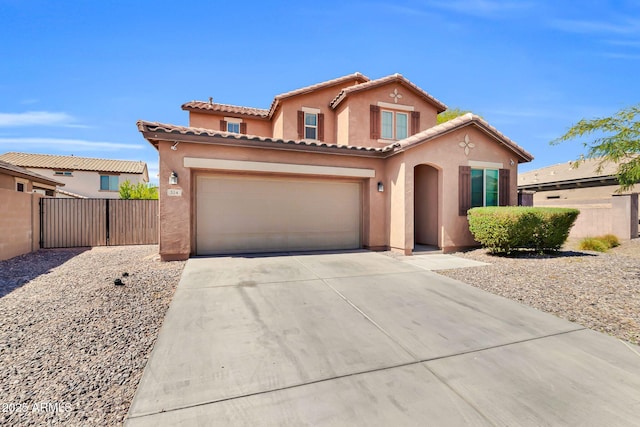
(73, 346)
(598, 290)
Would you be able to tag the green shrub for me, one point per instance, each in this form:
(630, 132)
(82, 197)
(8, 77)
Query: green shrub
(600, 244)
(503, 229)
(593, 244)
(611, 240)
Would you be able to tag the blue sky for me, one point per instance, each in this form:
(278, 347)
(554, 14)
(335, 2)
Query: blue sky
(75, 76)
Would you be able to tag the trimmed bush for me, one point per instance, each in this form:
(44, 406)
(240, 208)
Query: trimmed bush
(503, 229)
(593, 244)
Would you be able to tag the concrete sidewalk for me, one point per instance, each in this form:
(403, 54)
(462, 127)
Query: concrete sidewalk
(364, 339)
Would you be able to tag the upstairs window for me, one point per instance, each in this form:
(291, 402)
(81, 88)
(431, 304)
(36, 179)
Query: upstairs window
(109, 183)
(63, 173)
(394, 125)
(233, 127)
(310, 126)
(20, 187)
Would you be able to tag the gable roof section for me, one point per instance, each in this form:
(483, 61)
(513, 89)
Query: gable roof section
(17, 171)
(211, 107)
(397, 78)
(49, 161)
(155, 132)
(566, 173)
(458, 123)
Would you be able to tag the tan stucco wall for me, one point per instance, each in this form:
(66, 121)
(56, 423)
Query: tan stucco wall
(19, 223)
(87, 183)
(7, 182)
(446, 155)
(359, 129)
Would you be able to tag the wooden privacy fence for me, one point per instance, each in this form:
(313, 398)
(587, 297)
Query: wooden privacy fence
(68, 223)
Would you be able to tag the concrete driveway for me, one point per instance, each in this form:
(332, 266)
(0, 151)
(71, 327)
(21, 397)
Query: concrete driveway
(364, 339)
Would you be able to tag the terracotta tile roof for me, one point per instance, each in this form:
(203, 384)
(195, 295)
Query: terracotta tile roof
(49, 161)
(459, 122)
(355, 77)
(383, 81)
(225, 108)
(565, 172)
(13, 170)
(153, 130)
(72, 195)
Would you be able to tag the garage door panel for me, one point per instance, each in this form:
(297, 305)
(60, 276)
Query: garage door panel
(253, 214)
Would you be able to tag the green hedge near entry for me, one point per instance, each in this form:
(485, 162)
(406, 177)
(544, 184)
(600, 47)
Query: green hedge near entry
(503, 229)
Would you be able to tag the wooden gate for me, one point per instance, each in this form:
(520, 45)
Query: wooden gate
(67, 223)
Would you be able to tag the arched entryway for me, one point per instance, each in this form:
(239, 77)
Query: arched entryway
(426, 209)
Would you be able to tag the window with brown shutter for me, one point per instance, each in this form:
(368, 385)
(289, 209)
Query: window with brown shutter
(505, 187)
(415, 122)
(243, 128)
(223, 125)
(464, 190)
(375, 121)
(321, 126)
(300, 124)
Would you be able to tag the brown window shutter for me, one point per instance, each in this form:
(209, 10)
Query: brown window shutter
(320, 126)
(375, 122)
(415, 122)
(504, 183)
(300, 124)
(464, 190)
(223, 125)
(243, 128)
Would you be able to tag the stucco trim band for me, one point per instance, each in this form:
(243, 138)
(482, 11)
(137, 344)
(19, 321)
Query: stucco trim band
(248, 166)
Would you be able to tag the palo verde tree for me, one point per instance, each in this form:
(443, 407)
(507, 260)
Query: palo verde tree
(451, 113)
(613, 139)
(139, 191)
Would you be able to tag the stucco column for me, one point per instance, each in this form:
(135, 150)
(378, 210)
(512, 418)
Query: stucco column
(175, 206)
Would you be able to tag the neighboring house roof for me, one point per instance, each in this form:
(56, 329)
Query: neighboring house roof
(460, 122)
(17, 171)
(564, 175)
(72, 195)
(398, 78)
(49, 161)
(154, 132)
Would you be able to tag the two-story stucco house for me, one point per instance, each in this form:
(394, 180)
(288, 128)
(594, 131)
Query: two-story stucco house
(82, 176)
(343, 164)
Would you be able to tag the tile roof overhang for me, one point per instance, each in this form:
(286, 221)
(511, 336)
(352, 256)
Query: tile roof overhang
(215, 108)
(155, 132)
(50, 161)
(459, 123)
(394, 78)
(19, 172)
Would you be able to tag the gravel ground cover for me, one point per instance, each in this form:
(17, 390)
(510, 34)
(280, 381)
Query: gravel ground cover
(72, 344)
(598, 290)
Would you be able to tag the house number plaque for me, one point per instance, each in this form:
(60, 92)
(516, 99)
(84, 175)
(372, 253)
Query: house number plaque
(174, 192)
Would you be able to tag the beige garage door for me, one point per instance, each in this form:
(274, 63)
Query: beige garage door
(266, 214)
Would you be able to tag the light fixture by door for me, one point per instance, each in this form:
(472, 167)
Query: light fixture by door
(173, 178)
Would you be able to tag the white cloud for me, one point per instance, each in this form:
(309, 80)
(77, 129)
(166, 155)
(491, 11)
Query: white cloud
(77, 144)
(623, 26)
(37, 118)
(484, 8)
